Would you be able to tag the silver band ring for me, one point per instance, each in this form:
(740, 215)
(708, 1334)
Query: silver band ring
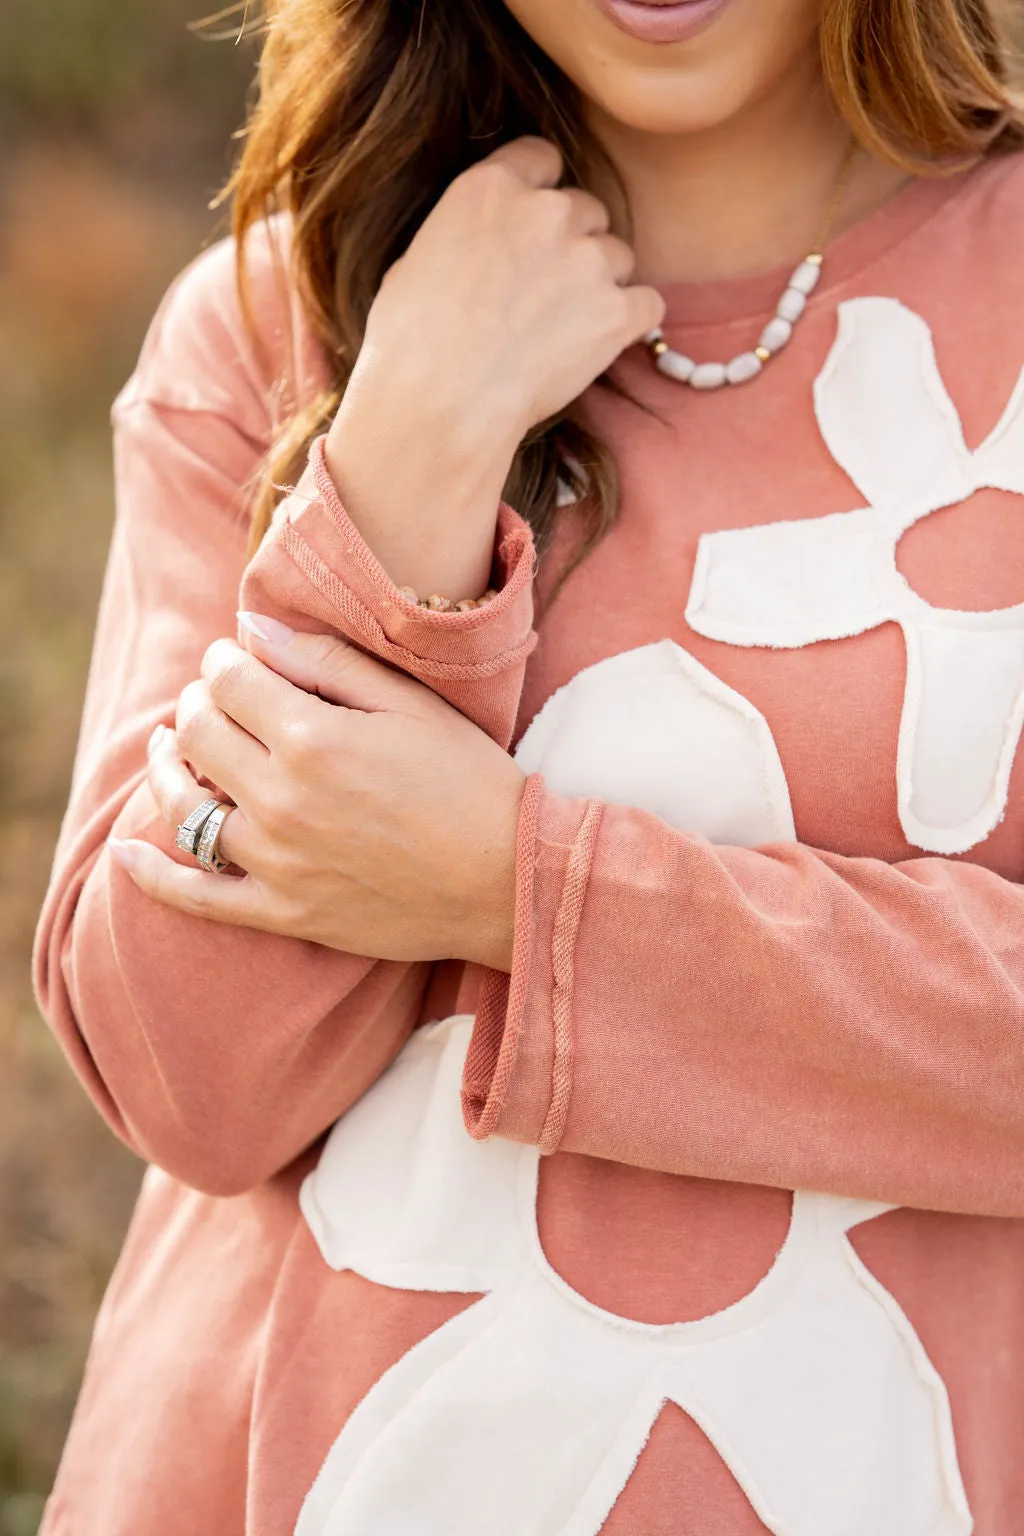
(206, 848)
(187, 836)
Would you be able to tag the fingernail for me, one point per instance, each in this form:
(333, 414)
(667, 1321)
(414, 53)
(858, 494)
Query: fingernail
(154, 740)
(270, 631)
(125, 853)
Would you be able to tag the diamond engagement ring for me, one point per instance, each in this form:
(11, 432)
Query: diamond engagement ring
(206, 846)
(187, 837)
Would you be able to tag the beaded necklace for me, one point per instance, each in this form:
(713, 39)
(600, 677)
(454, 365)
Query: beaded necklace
(802, 283)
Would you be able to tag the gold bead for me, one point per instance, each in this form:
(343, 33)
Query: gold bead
(659, 347)
(815, 258)
(762, 353)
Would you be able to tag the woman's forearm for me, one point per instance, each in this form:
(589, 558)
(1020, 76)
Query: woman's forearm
(779, 1016)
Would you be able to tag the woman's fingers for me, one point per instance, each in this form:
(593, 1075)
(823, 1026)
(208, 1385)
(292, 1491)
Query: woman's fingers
(589, 215)
(221, 898)
(250, 693)
(644, 309)
(217, 745)
(537, 162)
(178, 793)
(619, 256)
(329, 667)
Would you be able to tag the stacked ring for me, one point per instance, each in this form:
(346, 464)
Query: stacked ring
(187, 837)
(206, 847)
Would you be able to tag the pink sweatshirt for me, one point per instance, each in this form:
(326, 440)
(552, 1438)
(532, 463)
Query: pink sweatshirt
(692, 1029)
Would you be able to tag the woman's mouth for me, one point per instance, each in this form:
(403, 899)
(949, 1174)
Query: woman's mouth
(662, 21)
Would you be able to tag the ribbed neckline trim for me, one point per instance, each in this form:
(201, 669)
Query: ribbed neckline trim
(740, 299)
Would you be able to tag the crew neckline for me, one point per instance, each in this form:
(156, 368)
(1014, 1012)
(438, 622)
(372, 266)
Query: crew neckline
(691, 305)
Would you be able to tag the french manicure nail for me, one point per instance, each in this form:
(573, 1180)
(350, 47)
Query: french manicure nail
(270, 631)
(155, 740)
(125, 854)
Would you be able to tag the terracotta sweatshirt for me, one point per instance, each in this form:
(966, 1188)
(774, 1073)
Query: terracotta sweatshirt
(692, 1029)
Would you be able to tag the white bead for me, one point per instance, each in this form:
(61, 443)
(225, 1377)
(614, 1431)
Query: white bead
(775, 334)
(742, 368)
(708, 376)
(805, 278)
(676, 365)
(653, 336)
(792, 304)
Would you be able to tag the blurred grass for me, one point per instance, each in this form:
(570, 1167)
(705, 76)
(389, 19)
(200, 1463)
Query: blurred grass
(115, 123)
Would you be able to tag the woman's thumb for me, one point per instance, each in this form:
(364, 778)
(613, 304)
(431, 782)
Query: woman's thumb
(326, 665)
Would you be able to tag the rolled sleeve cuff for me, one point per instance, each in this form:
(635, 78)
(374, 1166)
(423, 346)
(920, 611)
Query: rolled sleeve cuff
(519, 1069)
(315, 562)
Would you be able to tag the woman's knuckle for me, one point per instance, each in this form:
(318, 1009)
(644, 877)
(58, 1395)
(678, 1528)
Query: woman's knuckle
(188, 731)
(620, 253)
(230, 677)
(194, 901)
(597, 210)
(484, 185)
(215, 655)
(193, 709)
(309, 748)
(296, 740)
(591, 263)
(179, 804)
(553, 212)
(279, 812)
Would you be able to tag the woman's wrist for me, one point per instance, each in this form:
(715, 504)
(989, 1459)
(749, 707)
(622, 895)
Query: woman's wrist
(422, 481)
(490, 928)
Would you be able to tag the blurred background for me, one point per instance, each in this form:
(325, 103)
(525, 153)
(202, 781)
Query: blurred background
(115, 132)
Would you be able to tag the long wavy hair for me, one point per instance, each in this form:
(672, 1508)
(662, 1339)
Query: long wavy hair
(365, 111)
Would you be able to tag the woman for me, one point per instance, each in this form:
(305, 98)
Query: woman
(754, 927)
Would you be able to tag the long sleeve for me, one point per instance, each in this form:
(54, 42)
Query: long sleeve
(779, 1016)
(221, 1053)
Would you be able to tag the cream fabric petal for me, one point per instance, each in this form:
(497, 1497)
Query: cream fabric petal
(624, 730)
(533, 1417)
(788, 584)
(961, 723)
(886, 416)
(382, 1406)
(897, 1481)
(884, 411)
(452, 1226)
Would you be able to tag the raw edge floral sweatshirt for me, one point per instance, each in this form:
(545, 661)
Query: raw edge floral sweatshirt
(693, 1028)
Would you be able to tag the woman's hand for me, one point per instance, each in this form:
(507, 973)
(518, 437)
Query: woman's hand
(374, 818)
(511, 299)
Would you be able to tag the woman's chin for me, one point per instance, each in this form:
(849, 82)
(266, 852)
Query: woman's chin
(678, 67)
(666, 102)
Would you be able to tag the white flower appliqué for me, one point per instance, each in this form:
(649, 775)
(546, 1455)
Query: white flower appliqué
(888, 421)
(525, 1414)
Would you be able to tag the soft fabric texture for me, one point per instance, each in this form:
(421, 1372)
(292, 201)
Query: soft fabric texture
(528, 1411)
(690, 1030)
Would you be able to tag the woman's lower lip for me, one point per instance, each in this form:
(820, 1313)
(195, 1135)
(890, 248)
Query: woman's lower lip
(653, 21)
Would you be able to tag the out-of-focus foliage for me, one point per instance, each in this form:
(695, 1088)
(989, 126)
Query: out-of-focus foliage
(115, 123)
(124, 69)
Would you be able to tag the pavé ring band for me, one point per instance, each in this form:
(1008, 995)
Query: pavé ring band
(206, 847)
(187, 836)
